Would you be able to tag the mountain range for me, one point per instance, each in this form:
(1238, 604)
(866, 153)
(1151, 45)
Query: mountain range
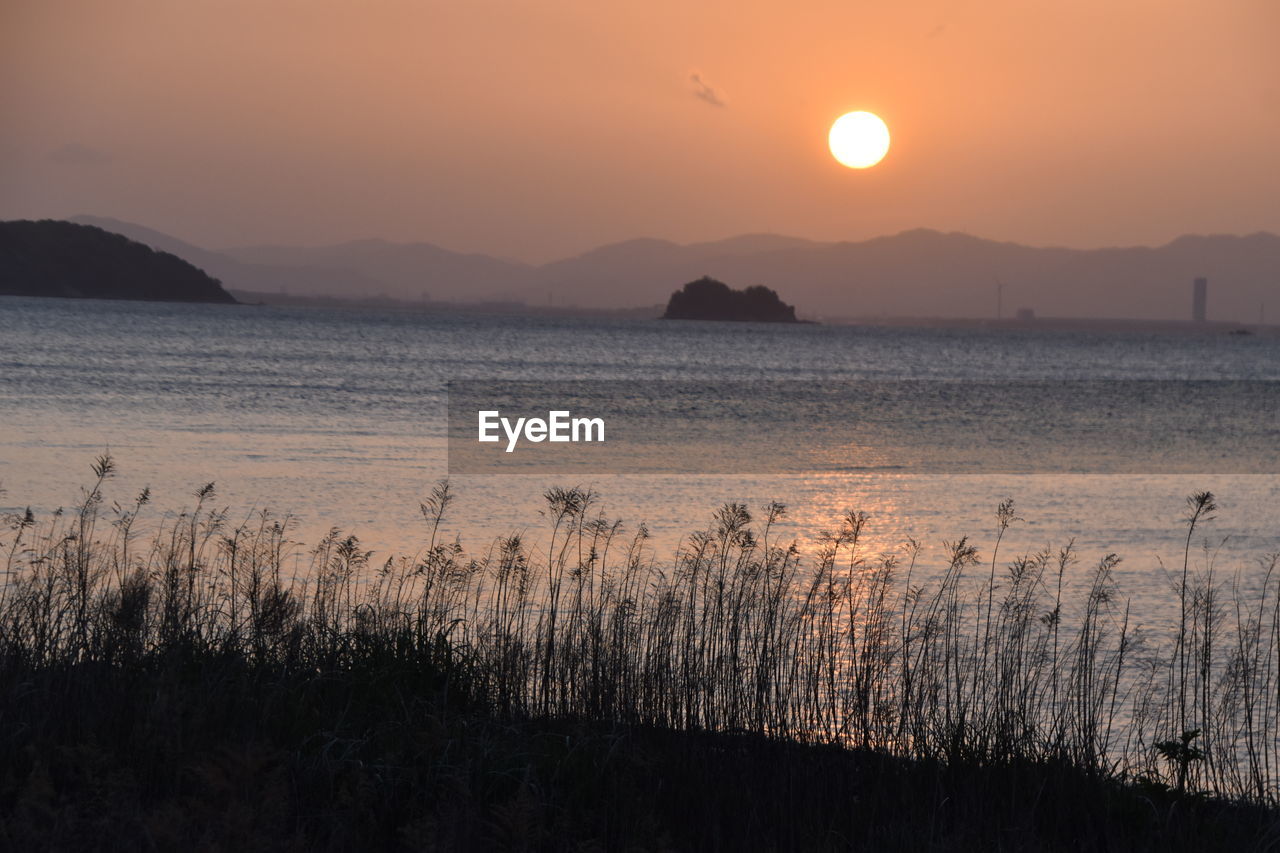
(919, 273)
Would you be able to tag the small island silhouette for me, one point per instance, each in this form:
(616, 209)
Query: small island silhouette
(63, 259)
(709, 299)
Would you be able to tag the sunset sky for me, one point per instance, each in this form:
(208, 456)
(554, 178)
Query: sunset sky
(535, 130)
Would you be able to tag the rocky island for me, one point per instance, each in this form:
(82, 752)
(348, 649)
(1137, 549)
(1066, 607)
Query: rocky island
(708, 299)
(63, 259)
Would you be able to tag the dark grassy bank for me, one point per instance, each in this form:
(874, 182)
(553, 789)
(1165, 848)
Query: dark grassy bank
(190, 688)
(195, 747)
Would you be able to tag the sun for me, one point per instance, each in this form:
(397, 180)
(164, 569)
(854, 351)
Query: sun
(859, 139)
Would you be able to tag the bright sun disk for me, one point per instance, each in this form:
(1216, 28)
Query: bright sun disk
(859, 139)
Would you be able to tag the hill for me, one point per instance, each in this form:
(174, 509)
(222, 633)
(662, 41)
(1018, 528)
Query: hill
(925, 273)
(920, 273)
(358, 269)
(416, 271)
(708, 299)
(64, 259)
(239, 275)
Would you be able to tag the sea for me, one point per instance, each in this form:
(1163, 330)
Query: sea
(337, 419)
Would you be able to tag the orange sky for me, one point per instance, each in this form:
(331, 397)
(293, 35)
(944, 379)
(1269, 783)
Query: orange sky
(540, 129)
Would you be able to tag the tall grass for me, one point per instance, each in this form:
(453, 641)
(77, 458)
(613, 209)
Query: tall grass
(980, 658)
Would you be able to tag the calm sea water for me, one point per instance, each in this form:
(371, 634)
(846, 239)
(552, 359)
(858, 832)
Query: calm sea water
(338, 418)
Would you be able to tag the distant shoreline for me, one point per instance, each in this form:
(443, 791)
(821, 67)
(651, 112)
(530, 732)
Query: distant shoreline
(288, 300)
(255, 299)
(917, 272)
(1060, 324)
(1087, 324)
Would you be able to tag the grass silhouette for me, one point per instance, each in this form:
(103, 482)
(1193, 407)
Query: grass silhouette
(215, 685)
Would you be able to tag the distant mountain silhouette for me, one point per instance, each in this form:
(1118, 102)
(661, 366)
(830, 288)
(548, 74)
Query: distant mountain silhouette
(357, 269)
(401, 270)
(920, 273)
(643, 269)
(708, 299)
(64, 259)
(925, 273)
(238, 275)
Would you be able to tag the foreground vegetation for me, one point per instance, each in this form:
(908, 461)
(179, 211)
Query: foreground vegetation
(197, 686)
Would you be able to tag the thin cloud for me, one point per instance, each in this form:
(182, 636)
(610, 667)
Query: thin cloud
(703, 90)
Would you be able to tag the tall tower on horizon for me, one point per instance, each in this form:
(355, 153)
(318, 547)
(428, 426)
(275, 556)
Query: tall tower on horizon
(1199, 299)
